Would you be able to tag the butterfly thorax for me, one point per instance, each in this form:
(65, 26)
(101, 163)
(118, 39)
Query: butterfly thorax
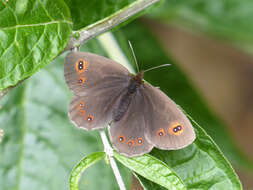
(126, 98)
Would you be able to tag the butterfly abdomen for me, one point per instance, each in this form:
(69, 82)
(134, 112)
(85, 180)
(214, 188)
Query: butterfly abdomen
(125, 100)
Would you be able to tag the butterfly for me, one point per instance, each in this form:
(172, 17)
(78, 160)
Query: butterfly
(140, 116)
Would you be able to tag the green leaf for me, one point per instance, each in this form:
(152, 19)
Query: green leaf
(201, 165)
(177, 86)
(152, 169)
(86, 12)
(40, 145)
(32, 34)
(227, 20)
(81, 166)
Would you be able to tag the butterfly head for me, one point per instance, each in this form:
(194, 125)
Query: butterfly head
(139, 77)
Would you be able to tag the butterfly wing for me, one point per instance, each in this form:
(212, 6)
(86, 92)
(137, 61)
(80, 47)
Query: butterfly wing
(87, 73)
(166, 125)
(127, 134)
(97, 83)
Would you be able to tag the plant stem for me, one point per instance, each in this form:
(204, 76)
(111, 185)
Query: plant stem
(107, 23)
(109, 152)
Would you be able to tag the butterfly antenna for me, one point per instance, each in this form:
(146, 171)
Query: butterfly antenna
(164, 65)
(135, 60)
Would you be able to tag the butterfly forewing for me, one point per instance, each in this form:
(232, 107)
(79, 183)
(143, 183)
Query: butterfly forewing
(86, 73)
(97, 83)
(166, 125)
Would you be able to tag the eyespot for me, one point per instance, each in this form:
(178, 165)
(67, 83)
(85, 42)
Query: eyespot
(160, 132)
(139, 141)
(90, 118)
(121, 139)
(130, 142)
(81, 80)
(176, 128)
(81, 105)
(80, 66)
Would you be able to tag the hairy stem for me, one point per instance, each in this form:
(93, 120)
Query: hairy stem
(109, 152)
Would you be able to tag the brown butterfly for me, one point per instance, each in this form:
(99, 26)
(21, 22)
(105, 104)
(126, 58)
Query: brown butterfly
(140, 116)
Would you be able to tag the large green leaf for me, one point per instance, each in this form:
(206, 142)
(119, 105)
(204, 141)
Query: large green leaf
(41, 146)
(228, 20)
(177, 86)
(32, 34)
(201, 165)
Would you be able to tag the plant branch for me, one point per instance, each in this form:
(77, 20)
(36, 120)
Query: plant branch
(107, 23)
(109, 152)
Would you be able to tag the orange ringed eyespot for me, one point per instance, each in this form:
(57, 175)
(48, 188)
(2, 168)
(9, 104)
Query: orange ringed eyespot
(176, 128)
(80, 66)
(130, 142)
(90, 118)
(81, 80)
(160, 132)
(139, 141)
(121, 138)
(81, 104)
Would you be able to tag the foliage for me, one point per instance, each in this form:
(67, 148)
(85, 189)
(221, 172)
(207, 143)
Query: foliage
(40, 145)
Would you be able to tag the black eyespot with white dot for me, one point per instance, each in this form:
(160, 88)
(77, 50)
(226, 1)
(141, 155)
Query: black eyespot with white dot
(80, 65)
(81, 104)
(89, 118)
(81, 80)
(130, 142)
(139, 141)
(121, 138)
(160, 132)
(177, 128)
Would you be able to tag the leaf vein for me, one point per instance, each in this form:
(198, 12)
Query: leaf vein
(39, 24)
(44, 8)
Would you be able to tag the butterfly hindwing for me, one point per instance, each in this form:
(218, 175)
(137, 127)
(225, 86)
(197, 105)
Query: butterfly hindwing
(127, 134)
(166, 125)
(91, 112)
